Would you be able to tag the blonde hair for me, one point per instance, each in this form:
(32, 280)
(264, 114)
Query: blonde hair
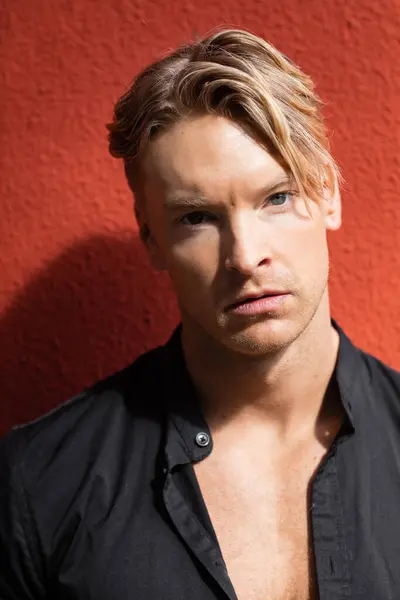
(235, 74)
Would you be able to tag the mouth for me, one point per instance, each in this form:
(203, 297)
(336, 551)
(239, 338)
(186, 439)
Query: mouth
(253, 298)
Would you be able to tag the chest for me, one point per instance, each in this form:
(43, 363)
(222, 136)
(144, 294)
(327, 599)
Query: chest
(138, 542)
(260, 514)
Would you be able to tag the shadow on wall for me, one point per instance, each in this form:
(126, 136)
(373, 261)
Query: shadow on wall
(88, 314)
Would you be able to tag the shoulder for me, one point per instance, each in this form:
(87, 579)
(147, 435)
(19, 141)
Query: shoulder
(95, 418)
(383, 380)
(369, 388)
(49, 467)
(375, 390)
(358, 369)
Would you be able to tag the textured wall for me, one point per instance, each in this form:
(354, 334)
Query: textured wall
(77, 298)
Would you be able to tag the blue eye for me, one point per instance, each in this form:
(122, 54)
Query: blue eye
(279, 199)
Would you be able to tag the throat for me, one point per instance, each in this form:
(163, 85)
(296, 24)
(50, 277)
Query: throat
(286, 391)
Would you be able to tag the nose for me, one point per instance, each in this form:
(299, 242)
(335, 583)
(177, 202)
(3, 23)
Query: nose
(246, 247)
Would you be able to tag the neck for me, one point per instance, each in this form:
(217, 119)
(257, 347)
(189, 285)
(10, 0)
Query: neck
(284, 390)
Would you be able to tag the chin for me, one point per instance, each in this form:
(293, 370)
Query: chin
(260, 338)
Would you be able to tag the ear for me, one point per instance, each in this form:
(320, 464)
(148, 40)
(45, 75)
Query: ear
(149, 241)
(332, 204)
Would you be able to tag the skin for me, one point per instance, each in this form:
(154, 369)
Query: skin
(224, 218)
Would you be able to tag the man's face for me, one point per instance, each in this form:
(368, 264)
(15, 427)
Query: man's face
(226, 221)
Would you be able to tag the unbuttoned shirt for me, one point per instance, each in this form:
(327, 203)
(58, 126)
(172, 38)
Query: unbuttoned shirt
(99, 498)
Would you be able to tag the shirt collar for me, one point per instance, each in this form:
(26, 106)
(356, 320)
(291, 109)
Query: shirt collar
(185, 420)
(348, 372)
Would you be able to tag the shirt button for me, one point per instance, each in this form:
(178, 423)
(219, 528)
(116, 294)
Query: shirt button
(202, 439)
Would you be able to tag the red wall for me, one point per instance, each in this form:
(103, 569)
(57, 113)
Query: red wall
(77, 298)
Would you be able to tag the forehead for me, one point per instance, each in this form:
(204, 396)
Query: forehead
(208, 153)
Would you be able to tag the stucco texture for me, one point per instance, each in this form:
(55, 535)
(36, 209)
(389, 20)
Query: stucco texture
(77, 297)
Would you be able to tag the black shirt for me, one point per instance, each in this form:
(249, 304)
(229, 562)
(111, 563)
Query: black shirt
(99, 501)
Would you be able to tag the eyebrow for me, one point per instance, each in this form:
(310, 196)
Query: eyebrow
(177, 201)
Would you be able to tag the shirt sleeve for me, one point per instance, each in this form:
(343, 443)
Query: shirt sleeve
(19, 579)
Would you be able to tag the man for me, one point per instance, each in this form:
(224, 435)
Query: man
(257, 454)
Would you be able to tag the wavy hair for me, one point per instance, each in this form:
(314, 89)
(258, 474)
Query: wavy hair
(237, 75)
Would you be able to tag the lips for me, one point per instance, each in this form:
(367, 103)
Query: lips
(256, 296)
(250, 298)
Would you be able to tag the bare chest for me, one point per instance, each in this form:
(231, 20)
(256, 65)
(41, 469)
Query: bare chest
(261, 519)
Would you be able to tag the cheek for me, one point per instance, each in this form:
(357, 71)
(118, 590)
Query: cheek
(311, 256)
(193, 263)
(304, 250)
(311, 243)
